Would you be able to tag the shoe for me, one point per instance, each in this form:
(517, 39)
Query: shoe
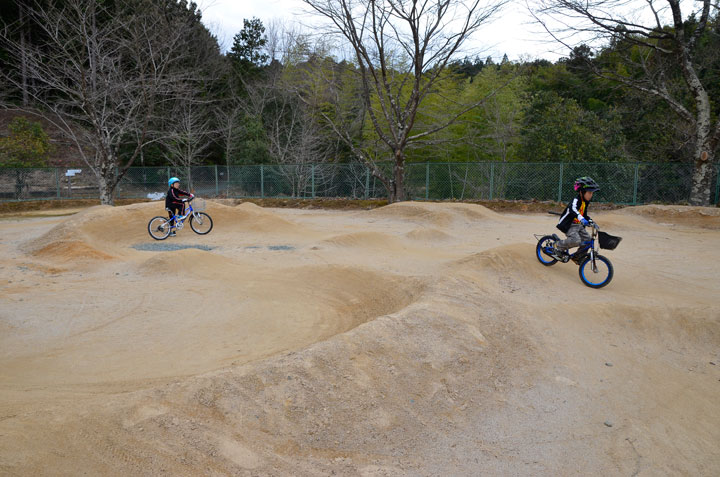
(172, 233)
(579, 257)
(559, 254)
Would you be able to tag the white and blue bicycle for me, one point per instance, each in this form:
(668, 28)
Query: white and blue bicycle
(200, 222)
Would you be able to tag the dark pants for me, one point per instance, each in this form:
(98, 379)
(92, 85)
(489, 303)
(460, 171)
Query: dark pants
(175, 209)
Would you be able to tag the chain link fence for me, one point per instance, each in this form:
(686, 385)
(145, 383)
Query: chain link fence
(622, 183)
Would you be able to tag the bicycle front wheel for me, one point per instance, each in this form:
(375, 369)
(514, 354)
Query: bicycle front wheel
(600, 275)
(201, 223)
(159, 228)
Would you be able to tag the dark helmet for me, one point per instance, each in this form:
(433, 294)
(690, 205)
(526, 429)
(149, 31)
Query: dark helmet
(586, 183)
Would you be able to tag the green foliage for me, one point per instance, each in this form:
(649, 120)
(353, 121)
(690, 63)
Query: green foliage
(491, 131)
(540, 111)
(246, 52)
(27, 145)
(557, 129)
(251, 142)
(467, 69)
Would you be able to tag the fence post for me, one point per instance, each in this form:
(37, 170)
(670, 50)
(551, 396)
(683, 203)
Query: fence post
(57, 181)
(560, 183)
(262, 181)
(635, 183)
(427, 180)
(717, 186)
(492, 179)
(312, 170)
(367, 183)
(217, 183)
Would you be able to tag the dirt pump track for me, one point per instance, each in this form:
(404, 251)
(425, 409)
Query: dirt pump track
(412, 339)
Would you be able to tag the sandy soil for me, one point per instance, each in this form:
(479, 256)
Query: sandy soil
(414, 339)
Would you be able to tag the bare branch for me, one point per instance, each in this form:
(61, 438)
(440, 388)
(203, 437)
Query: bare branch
(100, 75)
(402, 48)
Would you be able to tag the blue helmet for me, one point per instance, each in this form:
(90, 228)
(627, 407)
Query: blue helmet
(172, 180)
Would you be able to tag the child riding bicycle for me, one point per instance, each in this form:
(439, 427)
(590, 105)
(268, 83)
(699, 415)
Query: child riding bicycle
(174, 201)
(575, 217)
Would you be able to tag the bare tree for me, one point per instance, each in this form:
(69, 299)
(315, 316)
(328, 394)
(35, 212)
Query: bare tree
(401, 49)
(98, 75)
(294, 139)
(228, 119)
(189, 134)
(663, 38)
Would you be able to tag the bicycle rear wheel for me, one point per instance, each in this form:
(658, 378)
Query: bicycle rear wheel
(201, 223)
(599, 277)
(543, 249)
(159, 228)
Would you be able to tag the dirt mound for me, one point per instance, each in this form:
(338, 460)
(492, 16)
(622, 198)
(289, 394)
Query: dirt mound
(248, 217)
(63, 251)
(428, 235)
(424, 213)
(367, 240)
(411, 344)
(472, 211)
(514, 269)
(66, 242)
(198, 311)
(441, 215)
(251, 217)
(102, 232)
(703, 217)
(190, 261)
(515, 258)
(101, 228)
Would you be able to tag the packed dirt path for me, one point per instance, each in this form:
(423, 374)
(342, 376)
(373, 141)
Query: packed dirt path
(414, 339)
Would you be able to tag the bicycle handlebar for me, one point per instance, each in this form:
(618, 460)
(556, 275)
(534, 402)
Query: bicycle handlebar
(592, 224)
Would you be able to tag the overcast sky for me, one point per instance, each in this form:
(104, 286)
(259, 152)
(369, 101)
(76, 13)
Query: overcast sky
(510, 33)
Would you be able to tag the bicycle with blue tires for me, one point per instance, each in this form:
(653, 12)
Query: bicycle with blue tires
(595, 270)
(201, 223)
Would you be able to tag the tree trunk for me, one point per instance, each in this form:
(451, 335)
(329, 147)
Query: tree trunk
(20, 183)
(106, 184)
(397, 192)
(702, 179)
(106, 192)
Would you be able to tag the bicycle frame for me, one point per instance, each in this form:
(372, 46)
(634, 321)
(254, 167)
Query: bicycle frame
(589, 247)
(181, 218)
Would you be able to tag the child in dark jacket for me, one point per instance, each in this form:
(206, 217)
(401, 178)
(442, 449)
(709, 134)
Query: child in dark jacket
(575, 217)
(174, 202)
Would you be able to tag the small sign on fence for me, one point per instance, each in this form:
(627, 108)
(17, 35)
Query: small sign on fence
(72, 172)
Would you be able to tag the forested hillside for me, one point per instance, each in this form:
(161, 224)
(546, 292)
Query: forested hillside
(139, 82)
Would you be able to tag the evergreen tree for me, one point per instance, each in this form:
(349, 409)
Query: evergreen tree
(247, 50)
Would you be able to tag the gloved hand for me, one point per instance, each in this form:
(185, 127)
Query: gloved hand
(585, 222)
